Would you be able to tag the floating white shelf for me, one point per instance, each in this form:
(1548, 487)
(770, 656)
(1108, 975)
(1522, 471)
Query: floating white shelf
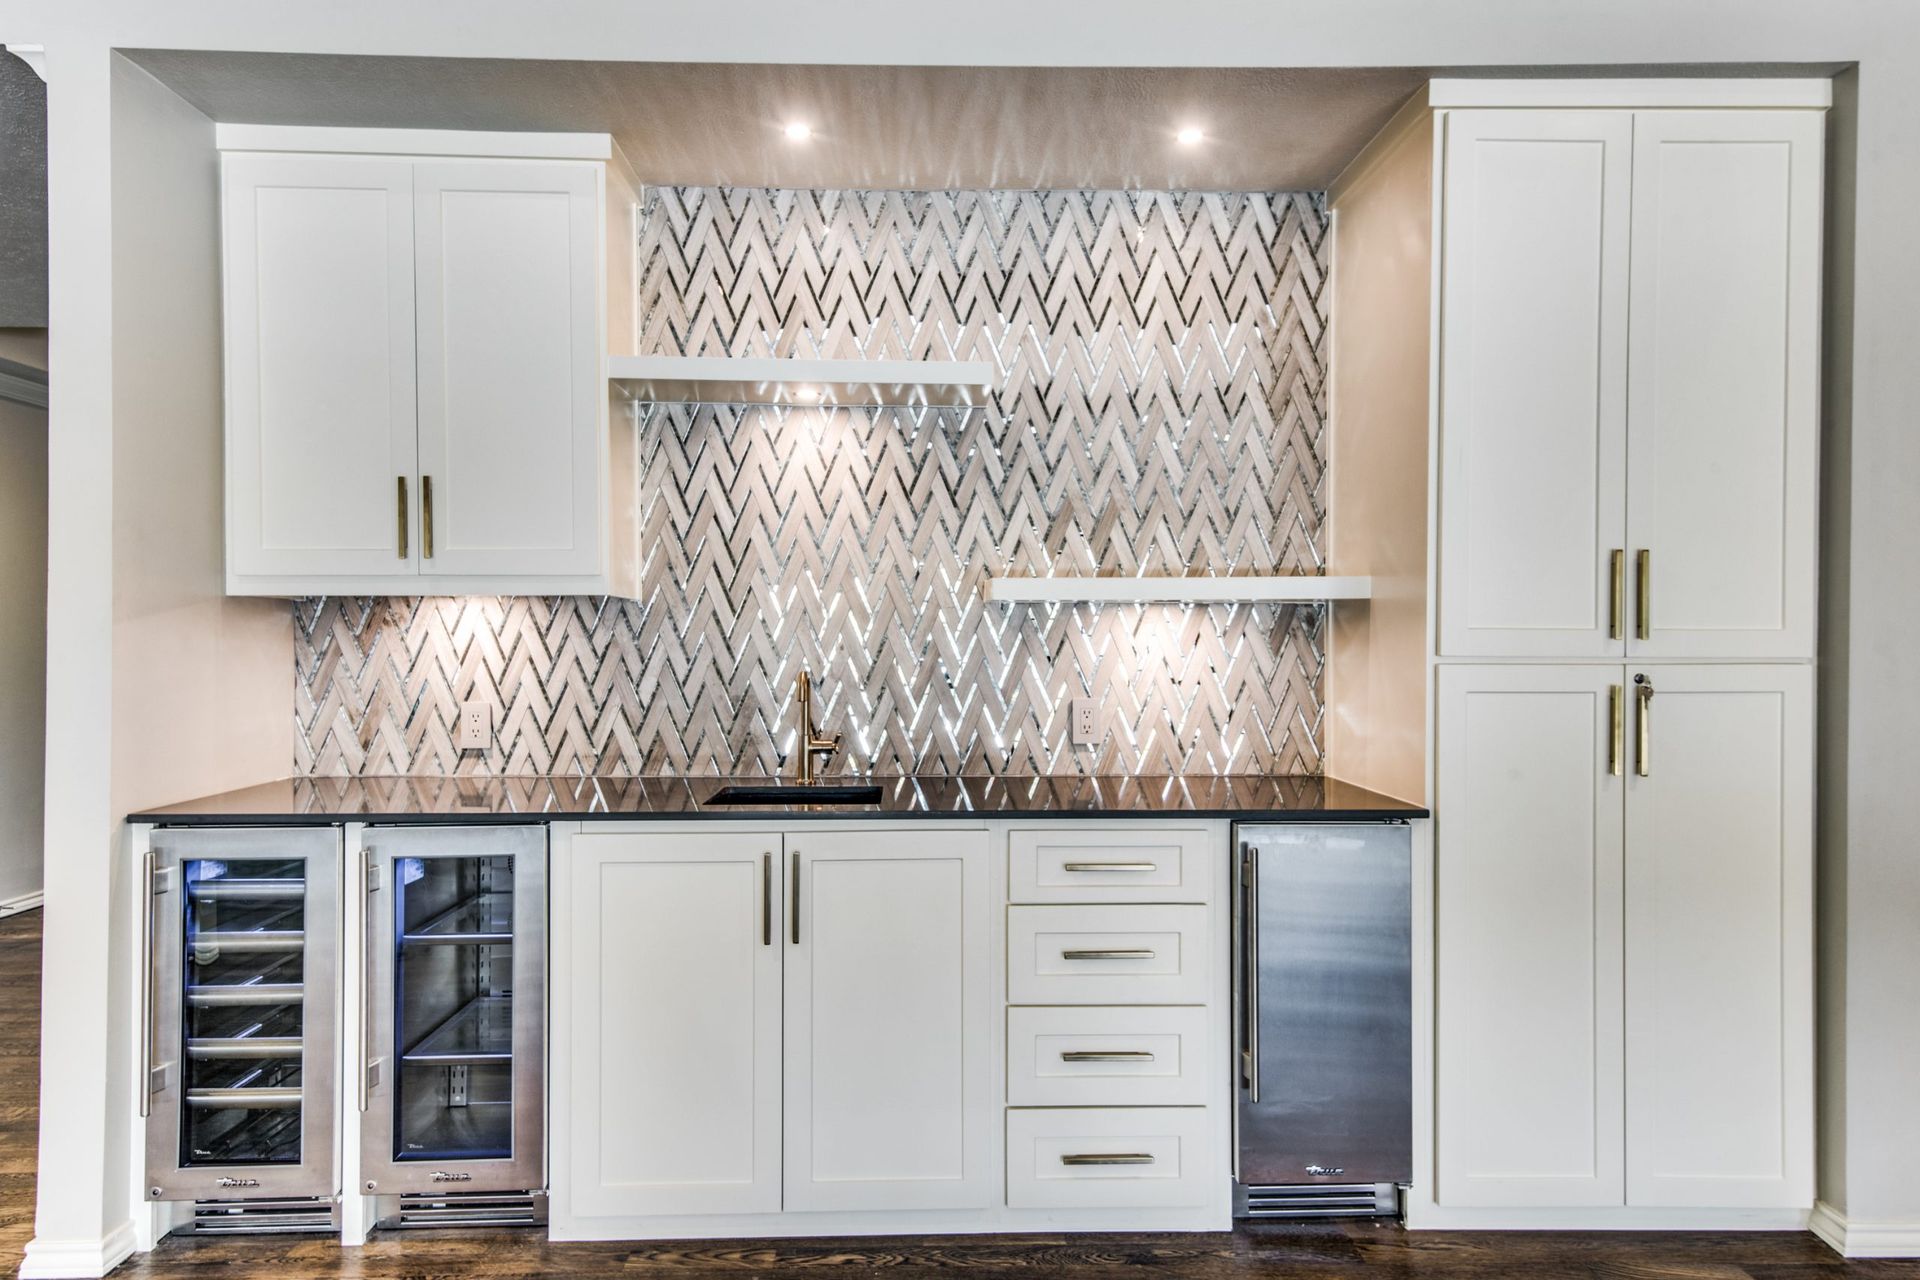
(1169, 590)
(772, 380)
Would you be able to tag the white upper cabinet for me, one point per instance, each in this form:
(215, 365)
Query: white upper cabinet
(1533, 380)
(1628, 390)
(889, 1099)
(320, 370)
(1719, 938)
(1723, 382)
(415, 352)
(510, 392)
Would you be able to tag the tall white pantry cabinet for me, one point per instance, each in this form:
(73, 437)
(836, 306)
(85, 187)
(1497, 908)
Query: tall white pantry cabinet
(1626, 426)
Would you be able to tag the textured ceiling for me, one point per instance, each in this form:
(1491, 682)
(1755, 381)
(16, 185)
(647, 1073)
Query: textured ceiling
(875, 127)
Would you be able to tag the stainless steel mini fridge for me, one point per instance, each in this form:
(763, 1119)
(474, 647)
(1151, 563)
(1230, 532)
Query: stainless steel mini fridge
(243, 932)
(453, 1041)
(1323, 1047)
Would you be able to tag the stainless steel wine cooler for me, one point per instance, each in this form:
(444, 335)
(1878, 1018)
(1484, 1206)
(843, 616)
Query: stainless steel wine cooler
(242, 1004)
(453, 1042)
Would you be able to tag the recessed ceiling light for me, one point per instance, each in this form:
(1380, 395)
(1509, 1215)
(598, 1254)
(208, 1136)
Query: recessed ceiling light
(1190, 137)
(799, 131)
(808, 394)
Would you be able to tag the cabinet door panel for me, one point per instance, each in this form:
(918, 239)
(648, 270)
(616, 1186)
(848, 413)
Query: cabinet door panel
(1528, 1005)
(889, 1017)
(1724, 385)
(672, 1092)
(1719, 941)
(319, 363)
(510, 389)
(1533, 380)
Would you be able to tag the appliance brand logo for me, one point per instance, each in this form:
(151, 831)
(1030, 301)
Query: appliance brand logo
(239, 1182)
(1323, 1171)
(442, 1176)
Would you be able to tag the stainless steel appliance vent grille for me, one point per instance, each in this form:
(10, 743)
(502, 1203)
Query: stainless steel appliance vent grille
(1320, 1200)
(299, 1214)
(472, 1209)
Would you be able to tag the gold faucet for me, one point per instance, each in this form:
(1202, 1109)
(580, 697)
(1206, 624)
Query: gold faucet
(812, 743)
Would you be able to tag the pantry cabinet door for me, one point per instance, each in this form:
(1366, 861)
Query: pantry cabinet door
(1723, 399)
(1532, 396)
(889, 1022)
(1720, 939)
(318, 264)
(667, 1031)
(1529, 821)
(510, 356)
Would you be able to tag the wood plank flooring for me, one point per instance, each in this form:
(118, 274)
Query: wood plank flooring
(1318, 1251)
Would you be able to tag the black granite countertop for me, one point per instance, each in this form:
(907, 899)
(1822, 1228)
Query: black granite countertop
(321, 801)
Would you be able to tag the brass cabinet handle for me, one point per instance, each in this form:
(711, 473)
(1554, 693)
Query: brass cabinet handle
(766, 899)
(1112, 866)
(1106, 1055)
(1109, 953)
(1617, 736)
(1617, 594)
(1643, 733)
(400, 514)
(793, 898)
(426, 516)
(1643, 594)
(1118, 1157)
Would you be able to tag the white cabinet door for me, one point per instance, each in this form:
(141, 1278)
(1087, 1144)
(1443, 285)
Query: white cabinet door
(319, 364)
(1720, 940)
(1723, 399)
(889, 1020)
(1529, 971)
(510, 350)
(669, 1098)
(1533, 381)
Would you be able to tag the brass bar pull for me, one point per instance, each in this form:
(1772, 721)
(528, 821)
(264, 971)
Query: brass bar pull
(1118, 1157)
(766, 899)
(1643, 745)
(1109, 953)
(1112, 866)
(400, 514)
(1617, 737)
(793, 898)
(426, 516)
(1617, 595)
(1643, 595)
(1106, 1055)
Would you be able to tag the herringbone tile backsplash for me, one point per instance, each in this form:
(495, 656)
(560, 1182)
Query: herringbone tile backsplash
(1157, 408)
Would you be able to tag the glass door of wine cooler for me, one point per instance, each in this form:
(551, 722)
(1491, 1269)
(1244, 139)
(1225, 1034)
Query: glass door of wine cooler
(241, 1005)
(455, 1036)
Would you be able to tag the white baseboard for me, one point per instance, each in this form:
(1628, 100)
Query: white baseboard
(1427, 1216)
(77, 1259)
(1865, 1239)
(25, 902)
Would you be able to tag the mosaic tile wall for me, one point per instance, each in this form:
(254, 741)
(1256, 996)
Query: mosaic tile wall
(1157, 408)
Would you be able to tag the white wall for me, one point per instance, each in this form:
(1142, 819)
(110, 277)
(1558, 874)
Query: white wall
(1871, 754)
(23, 648)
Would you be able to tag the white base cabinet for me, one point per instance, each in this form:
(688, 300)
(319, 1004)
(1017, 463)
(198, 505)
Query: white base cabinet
(1625, 954)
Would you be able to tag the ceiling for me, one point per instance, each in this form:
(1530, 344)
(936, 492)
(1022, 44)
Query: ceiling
(699, 124)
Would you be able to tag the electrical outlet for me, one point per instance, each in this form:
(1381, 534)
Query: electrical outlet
(1083, 721)
(476, 726)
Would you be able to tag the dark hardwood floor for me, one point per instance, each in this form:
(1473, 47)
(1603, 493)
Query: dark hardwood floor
(1274, 1252)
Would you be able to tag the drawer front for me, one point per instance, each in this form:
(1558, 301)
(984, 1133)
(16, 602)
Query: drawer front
(1107, 1057)
(1090, 1158)
(1107, 955)
(1067, 863)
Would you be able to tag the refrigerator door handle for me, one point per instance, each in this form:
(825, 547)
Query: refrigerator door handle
(1250, 984)
(369, 1069)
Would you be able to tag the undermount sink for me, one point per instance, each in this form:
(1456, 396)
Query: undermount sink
(795, 793)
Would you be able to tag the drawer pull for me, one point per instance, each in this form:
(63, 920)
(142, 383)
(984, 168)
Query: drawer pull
(1124, 1157)
(1112, 866)
(1106, 1055)
(1109, 953)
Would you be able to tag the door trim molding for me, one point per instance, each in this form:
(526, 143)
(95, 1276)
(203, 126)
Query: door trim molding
(1856, 1239)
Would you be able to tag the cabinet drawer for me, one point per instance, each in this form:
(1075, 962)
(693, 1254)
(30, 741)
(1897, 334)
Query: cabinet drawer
(1068, 863)
(1107, 955)
(1107, 1057)
(1087, 1158)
